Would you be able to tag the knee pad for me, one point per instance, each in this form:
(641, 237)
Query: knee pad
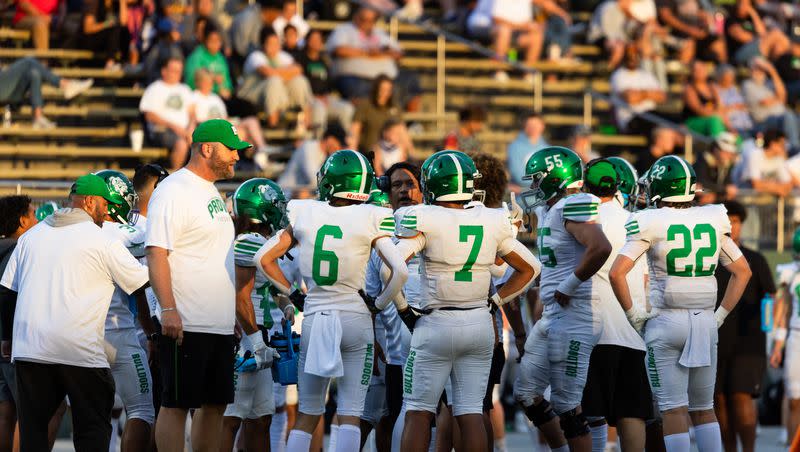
(540, 414)
(574, 425)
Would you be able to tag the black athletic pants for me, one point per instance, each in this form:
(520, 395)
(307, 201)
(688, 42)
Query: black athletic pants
(41, 389)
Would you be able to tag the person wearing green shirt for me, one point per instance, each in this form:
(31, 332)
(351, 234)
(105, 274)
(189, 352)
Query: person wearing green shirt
(209, 56)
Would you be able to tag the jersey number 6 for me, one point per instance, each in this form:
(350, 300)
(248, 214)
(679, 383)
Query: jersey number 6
(321, 255)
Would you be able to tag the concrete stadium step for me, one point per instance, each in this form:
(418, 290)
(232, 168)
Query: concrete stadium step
(73, 151)
(25, 130)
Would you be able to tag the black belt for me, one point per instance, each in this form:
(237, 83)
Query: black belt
(453, 308)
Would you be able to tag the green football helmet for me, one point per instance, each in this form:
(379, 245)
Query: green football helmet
(551, 170)
(671, 179)
(378, 197)
(120, 184)
(430, 159)
(448, 176)
(45, 210)
(262, 201)
(628, 181)
(345, 174)
(600, 178)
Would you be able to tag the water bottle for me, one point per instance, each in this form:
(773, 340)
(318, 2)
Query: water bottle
(7, 117)
(767, 320)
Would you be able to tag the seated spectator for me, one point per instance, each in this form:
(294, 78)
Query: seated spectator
(662, 142)
(714, 170)
(139, 23)
(390, 148)
(766, 99)
(371, 114)
(165, 47)
(515, 17)
(247, 24)
(202, 15)
(36, 16)
(209, 56)
(689, 22)
(732, 105)
(167, 108)
(289, 16)
(208, 105)
(638, 89)
(764, 169)
(360, 54)
(479, 21)
(580, 141)
(105, 30)
(614, 25)
(471, 120)
(273, 80)
(749, 37)
(557, 22)
(701, 105)
(316, 67)
(22, 81)
(291, 41)
(301, 171)
(788, 66)
(529, 140)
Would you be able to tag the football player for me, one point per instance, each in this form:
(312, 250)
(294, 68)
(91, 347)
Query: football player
(334, 236)
(684, 245)
(572, 248)
(457, 246)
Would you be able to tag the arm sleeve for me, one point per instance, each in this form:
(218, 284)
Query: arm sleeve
(146, 102)
(581, 208)
(399, 273)
(271, 243)
(244, 249)
(409, 224)
(728, 251)
(124, 269)
(637, 243)
(10, 277)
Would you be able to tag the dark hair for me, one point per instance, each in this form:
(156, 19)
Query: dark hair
(736, 209)
(265, 33)
(528, 114)
(335, 130)
(472, 112)
(493, 178)
(147, 172)
(312, 31)
(12, 208)
(391, 122)
(270, 4)
(171, 57)
(773, 135)
(209, 29)
(408, 166)
(376, 86)
(288, 27)
(242, 224)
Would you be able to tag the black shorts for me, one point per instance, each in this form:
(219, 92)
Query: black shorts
(394, 390)
(495, 374)
(740, 373)
(198, 372)
(617, 386)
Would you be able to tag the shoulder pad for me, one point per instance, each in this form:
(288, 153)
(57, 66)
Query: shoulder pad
(580, 207)
(408, 226)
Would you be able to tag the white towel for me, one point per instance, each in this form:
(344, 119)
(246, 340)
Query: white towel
(324, 356)
(697, 350)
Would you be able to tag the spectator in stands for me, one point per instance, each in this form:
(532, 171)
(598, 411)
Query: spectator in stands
(732, 105)
(371, 114)
(316, 67)
(291, 41)
(689, 22)
(167, 108)
(515, 17)
(741, 347)
(714, 170)
(766, 98)
(247, 24)
(701, 105)
(529, 140)
(788, 66)
(203, 12)
(580, 141)
(471, 120)
(273, 80)
(662, 142)
(614, 25)
(361, 53)
(557, 34)
(36, 16)
(390, 148)
(749, 37)
(164, 48)
(301, 171)
(637, 91)
(289, 16)
(209, 56)
(764, 169)
(23, 79)
(105, 30)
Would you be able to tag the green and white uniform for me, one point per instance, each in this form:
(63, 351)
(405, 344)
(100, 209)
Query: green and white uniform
(789, 275)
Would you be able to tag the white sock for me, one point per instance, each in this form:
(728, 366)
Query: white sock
(299, 441)
(334, 436)
(112, 446)
(397, 431)
(599, 437)
(277, 432)
(348, 439)
(708, 437)
(432, 446)
(564, 448)
(500, 445)
(678, 442)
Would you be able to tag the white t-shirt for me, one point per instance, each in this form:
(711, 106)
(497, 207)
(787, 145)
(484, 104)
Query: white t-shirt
(513, 11)
(187, 216)
(258, 59)
(170, 102)
(280, 22)
(757, 166)
(208, 106)
(624, 79)
(64, 277)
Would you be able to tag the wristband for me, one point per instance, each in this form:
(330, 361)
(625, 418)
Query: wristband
(780, 334)
(168, 309)
(496, 299)
(256, 340)
(720, 315)
(569, 285)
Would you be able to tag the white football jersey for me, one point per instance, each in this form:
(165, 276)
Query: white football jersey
(789, 275)
(683, 247)
(334, 245)
(559, 252)
(460, 246)
(120, 314)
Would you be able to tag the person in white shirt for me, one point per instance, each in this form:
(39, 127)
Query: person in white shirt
(289, 16)
(190, 255)
(508, 17)
(167, 108)
(637, 88)
(301, 171)
(273, 80)
(62, 274)
(765, 169)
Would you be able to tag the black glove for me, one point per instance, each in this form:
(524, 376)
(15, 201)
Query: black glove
(298, 299)
(410, 316)
(492, 307)
(369, 301)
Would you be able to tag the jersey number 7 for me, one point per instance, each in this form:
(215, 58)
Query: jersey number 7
(464, 233)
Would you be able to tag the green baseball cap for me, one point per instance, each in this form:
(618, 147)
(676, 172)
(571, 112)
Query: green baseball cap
(94, 185)
(219, 131)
